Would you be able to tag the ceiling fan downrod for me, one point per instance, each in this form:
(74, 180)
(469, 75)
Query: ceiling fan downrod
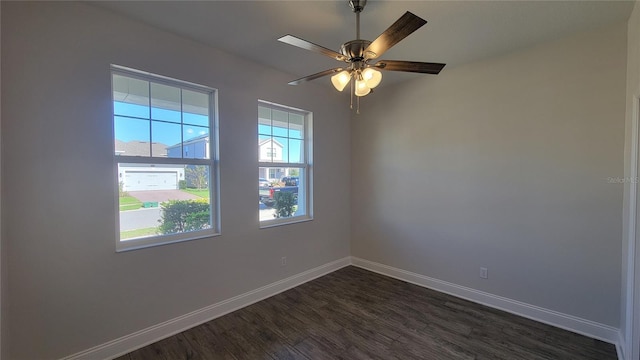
(357, 6)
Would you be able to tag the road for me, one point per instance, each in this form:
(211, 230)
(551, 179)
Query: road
(139, 219)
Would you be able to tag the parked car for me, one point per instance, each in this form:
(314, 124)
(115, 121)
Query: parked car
(263, 182)
(266, 194)
(290, 180)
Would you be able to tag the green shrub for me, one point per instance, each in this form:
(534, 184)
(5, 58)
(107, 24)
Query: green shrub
(286, 204)
(182, 184)
(183, 215)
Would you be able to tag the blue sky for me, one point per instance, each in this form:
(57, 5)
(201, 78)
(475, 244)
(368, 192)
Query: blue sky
(131, 123)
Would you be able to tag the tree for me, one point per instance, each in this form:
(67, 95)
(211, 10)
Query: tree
(121, 191)
(197, 176)
(294, 172)
(286, 204)
(184, 215)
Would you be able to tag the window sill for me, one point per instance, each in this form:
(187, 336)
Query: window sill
(133, 244)
(280, 222)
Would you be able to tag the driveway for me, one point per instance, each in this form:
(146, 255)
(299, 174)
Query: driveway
(162, 195)
(266, 213)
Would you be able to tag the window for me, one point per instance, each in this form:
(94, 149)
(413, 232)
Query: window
(284, 159)
(166, 157)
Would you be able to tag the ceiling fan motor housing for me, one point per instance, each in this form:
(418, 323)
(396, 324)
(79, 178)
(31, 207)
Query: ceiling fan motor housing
(354, 49)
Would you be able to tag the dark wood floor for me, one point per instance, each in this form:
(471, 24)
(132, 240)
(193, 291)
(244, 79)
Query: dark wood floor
(356, 314)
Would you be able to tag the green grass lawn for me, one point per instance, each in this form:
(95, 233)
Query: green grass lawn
(129, 203)
(203, 193)
(129, 234)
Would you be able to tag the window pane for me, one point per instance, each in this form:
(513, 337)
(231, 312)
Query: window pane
(195, 106)
(165, 103)
(264, 129)
(166, 138)
(296, 151)
(280, 149)
(128, 109)
(265, 148)
(280, 123)
(196, 119)
(286, 198)
(130, 97)
(196, 142)
(264, 121)
(192, 132)
(264, 112)
(131, 136)
(296, 126)
(163, 199)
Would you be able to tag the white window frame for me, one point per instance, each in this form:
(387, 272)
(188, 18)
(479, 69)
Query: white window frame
(306, 166)
(213, 163)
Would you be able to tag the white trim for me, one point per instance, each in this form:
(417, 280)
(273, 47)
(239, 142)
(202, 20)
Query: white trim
(305, 168)
(633, 271)
(620, 346)
(564, 321)
(138, 339)
(211, 160)
(631, 313)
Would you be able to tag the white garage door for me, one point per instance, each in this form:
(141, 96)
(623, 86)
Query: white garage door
(146, 180)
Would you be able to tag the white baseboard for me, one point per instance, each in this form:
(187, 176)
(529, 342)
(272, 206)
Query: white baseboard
(131, 342)
(147, 336)
(621, 346)
(564, 321)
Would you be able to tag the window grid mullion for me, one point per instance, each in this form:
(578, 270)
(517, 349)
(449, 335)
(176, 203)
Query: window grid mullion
(150, 121)
(181, 126)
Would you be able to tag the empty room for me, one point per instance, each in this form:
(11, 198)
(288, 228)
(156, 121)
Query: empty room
(435, 180)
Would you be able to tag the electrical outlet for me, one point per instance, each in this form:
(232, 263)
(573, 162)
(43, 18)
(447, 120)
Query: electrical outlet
(484, 273)
(283, 261)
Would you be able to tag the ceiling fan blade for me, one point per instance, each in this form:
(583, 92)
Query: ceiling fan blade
(410, 66)
(399, 30)
(304, 44)
(315, 76)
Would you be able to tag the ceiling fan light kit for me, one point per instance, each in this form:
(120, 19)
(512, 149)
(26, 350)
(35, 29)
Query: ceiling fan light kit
(341, 80)
(361, 72)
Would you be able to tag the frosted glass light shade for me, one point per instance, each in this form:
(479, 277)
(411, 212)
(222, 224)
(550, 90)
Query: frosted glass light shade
(361, 88)
(340, 80)
(372, 77)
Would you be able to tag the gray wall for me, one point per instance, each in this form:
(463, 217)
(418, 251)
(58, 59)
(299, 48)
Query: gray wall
(68, 290)
(502, 164)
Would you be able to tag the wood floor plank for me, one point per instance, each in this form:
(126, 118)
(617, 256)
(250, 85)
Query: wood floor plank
(209, 346)
(172, 348)
(357, 314)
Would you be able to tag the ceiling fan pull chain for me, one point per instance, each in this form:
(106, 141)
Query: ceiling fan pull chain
(358, 108)
(351, 103)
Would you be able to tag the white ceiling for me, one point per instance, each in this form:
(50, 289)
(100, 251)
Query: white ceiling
(457, 32)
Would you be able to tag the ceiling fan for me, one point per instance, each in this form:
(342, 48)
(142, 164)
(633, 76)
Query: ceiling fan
(361, 69)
